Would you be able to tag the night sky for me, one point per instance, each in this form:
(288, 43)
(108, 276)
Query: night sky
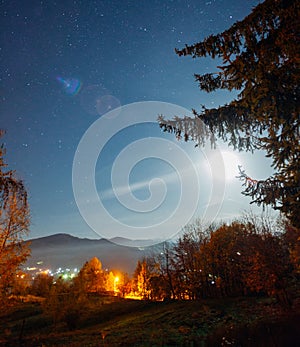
(65, 63)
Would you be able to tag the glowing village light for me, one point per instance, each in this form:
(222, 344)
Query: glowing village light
(116, 281)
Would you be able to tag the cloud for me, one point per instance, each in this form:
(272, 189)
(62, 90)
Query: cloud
(111, 193)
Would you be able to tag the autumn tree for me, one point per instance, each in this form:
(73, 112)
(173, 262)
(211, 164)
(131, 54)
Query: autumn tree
(110, 282)
(91, 278)
(41, 285)
(21, 284)
(259, 58)
(221, 259)
(158, 283)
(187, 264)
(165, 263)
(243, 258)
(291, 238)
(14, 225)
(125, 285)
(66, 300)
(64, 304)
(246, 257)
(141, 279)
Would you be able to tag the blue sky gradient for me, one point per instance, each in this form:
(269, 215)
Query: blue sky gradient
(57, 58)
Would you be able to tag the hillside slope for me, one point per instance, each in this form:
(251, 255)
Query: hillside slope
(247, 322)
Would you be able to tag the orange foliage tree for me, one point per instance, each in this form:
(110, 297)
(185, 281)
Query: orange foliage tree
(188, 267)
(141, 279)
(14, 225)
(292, 240)
(91, 278)
(230, 260)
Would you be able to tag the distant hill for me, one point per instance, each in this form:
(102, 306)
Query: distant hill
(67, 251)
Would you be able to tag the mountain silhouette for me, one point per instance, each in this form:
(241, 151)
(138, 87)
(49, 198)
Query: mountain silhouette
(67, 251)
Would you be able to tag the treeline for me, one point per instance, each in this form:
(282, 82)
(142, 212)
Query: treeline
(243, 258)
(247, 257)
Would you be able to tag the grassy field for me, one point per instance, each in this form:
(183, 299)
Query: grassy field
(119, 322)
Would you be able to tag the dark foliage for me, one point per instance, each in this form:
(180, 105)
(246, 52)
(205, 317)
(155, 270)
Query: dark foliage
(260, 58)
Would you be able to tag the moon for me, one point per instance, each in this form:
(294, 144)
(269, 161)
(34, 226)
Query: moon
(222, 165)
(231, 163)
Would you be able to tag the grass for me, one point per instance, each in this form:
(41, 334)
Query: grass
(235, 322)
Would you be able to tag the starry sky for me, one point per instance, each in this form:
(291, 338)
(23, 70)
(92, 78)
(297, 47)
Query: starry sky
(65, 63)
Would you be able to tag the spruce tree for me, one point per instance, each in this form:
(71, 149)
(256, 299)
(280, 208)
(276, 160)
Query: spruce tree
(260, 59)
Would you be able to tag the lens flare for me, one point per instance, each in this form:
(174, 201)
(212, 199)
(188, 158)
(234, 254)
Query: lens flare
(97, 100)
(71, 85)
